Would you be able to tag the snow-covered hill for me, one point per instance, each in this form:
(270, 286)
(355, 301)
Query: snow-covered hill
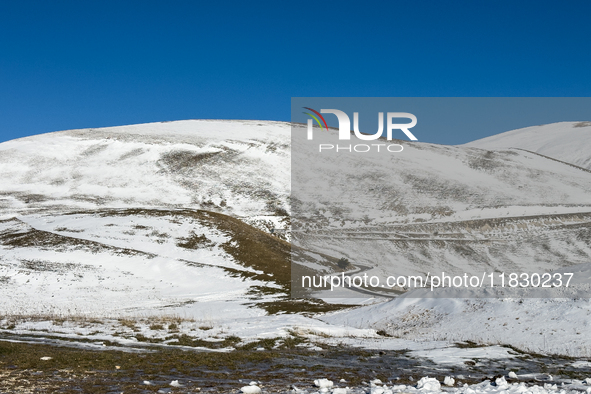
(434, 208)
(546, 326)
(566, 141)
(237, 167)
(162, 218)
(176, 217)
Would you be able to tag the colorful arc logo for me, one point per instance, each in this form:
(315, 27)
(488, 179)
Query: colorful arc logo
(316, 118)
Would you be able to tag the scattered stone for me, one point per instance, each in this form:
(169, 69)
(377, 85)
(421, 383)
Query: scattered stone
(429, 384)
(251, 389)
(175, 383)
(323, 383)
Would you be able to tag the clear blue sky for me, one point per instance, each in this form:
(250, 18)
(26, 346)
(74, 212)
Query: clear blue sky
(77, 64)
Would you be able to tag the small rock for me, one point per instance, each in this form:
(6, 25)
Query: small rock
(512, 375)
(501, 383)
(46, 358)
(429, 384)
(323, 383)
(175, 383)
(251, 389)
(147, 382)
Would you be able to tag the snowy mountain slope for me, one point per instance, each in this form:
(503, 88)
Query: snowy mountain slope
(149, 198)
(175, 218)
(156, 259)
(531, 244)
(544, 326)
(566, 141)
(52, 275)
(428, 182)
(441, 208)
(431, 206)
(237, 167)
(242, 168)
